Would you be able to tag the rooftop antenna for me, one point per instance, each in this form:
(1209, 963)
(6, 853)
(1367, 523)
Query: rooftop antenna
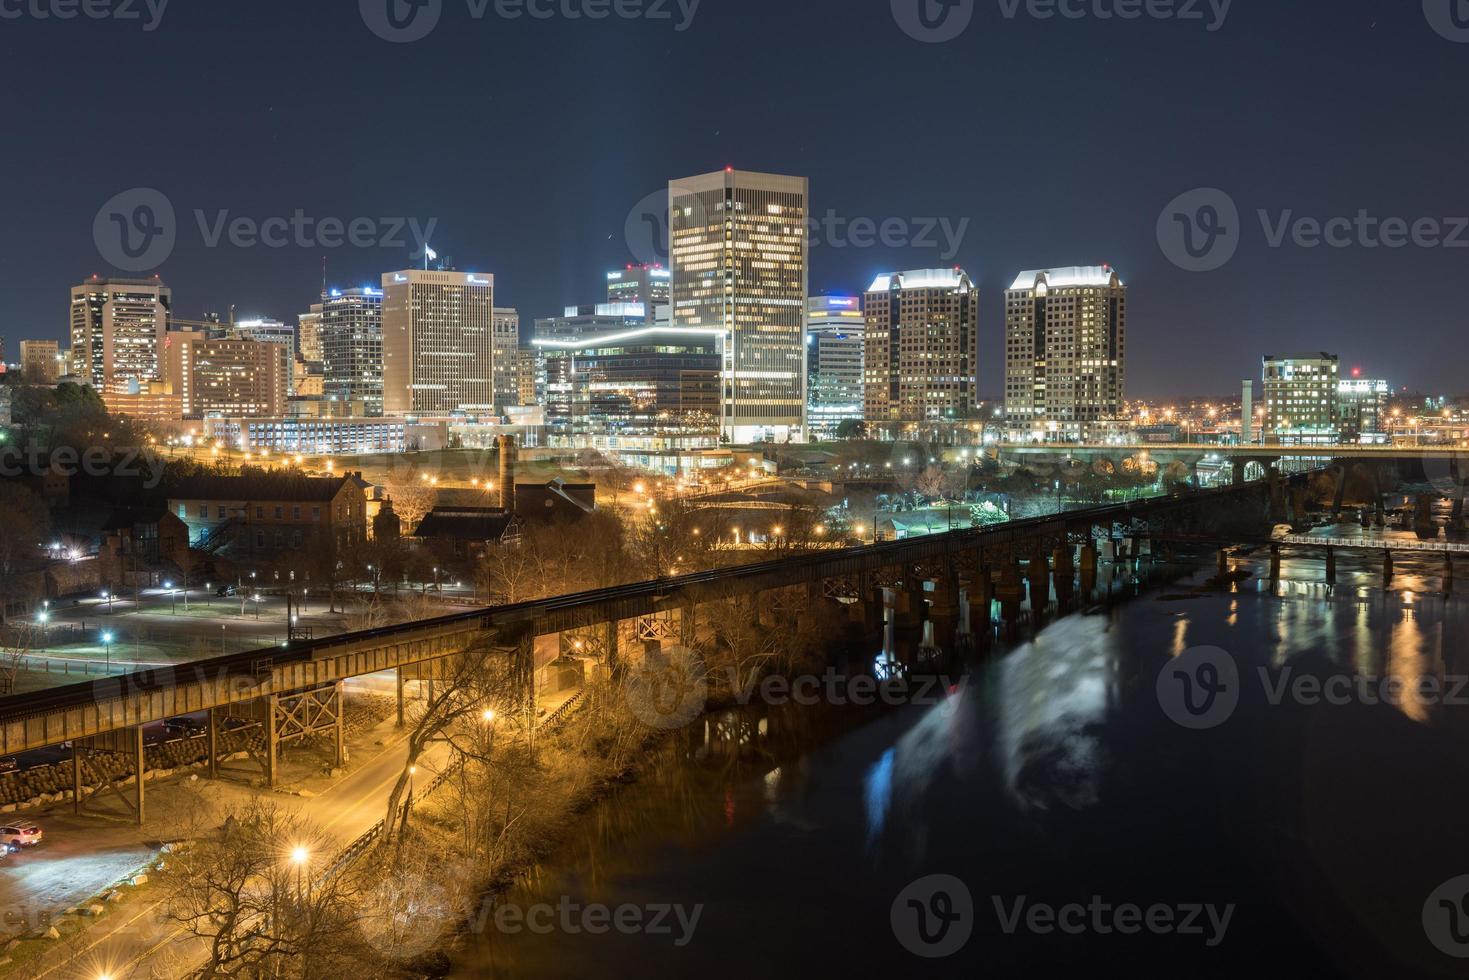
(323, 278)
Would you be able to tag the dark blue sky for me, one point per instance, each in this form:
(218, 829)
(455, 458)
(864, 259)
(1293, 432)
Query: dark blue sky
(1060, 141)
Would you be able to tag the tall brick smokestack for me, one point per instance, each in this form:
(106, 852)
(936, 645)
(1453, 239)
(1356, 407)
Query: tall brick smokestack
(508, 451)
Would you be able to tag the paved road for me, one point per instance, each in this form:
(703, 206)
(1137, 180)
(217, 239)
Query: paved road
(141, 940)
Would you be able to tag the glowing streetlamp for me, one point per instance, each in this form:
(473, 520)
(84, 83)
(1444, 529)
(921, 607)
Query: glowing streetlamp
(107, 643)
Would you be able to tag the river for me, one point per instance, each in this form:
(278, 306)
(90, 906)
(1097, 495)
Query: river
(1079, 827)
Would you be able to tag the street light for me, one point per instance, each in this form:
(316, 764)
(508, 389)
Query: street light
(107, 642)
(300, 857)
(44, 617)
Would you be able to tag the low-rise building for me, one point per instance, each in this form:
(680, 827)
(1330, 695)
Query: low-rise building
(41, 361)
(1301, 393)
(263, 514)
(327, 436)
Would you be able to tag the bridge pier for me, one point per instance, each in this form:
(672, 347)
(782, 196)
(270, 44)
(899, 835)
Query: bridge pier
(980, 596)
(1330, 565)
(944, 615)
(1298, 506)
(1338, 500)
(612, 639)
(140, 767)
(1387, 569)
(1275, 563)
(1040, 581)
(1065, 577)
(1011, 593)
(1448, 573)
(1089, 568)
(909, 617)
(272, 743)
(1277, 497)
(399, 672)
(76, 778)
(1423, 523)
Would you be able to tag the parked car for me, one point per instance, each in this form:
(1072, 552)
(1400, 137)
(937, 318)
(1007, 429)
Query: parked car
(225, 590)
(184, 727)
(20, 834)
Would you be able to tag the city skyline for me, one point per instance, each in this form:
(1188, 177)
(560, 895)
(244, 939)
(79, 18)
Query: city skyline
(1100, 206)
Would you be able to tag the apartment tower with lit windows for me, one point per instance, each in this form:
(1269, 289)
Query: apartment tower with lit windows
(1065, 352)
(922, 350)
(738, 250)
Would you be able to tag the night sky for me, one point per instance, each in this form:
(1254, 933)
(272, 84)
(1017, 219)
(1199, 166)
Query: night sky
(1060, 141)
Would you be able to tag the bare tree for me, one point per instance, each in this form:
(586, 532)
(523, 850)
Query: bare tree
(479, 680)
(16, 643)
(256, 895)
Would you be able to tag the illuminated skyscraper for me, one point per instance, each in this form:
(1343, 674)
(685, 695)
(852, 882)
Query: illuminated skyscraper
(835, 335)
(1065, 352)
(117, 328)
(439, 344)
(922, 346)
(738, 243)
(351, 338)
